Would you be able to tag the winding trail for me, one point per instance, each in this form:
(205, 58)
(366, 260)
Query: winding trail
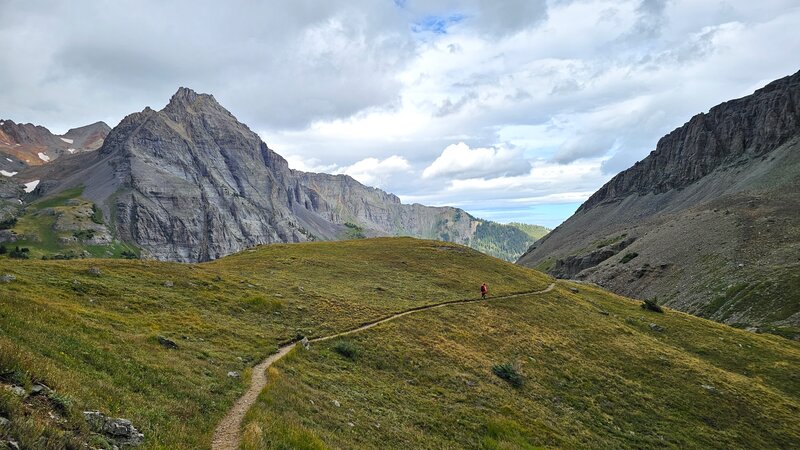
(227, 434)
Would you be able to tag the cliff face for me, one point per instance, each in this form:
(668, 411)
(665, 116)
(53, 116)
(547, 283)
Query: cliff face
(712, 217)
(191, 183)
(734, 132)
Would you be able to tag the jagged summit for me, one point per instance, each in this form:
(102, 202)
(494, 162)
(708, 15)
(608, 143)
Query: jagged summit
(187, 100)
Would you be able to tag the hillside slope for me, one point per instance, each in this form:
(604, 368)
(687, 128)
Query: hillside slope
(101, 334)
(709, 222)
(594, 371)
(92, 335)
(191, 183)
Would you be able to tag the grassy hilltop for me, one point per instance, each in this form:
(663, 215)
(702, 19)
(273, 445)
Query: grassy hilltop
(94, 339)
(90, 330)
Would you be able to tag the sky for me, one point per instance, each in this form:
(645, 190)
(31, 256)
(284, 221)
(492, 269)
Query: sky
(514, 110)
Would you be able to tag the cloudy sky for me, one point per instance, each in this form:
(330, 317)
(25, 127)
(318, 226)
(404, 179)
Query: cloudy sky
(512, 110)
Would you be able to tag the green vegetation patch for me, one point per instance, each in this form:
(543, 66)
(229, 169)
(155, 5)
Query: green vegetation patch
(502, 241)
(354, 231)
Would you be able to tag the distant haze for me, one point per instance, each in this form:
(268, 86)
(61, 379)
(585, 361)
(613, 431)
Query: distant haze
(515, 110)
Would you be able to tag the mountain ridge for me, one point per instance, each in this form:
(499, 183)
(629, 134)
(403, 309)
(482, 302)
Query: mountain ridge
(192, 183)
(708, 222)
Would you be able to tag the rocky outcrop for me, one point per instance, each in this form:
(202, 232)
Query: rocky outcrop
(573, 265)
(120, 432)
(716, 208)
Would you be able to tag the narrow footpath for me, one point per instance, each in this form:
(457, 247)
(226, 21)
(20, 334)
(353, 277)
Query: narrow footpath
(227, 434)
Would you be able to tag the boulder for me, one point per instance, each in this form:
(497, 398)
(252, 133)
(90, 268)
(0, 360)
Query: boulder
(168, 343)
(119, 431)
(19, 391)
(7, 278)
(40, 389)
(656, 327)
(9, 445)
(233, 374)
(304, 342)
(95, 271)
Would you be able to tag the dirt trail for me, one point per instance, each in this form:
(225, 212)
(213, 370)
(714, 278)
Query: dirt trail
(227, 434)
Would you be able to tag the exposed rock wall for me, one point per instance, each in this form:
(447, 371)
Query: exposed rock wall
(732, 132)
(716, 208)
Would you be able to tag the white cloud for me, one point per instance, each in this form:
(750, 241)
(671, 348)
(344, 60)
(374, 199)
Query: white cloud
(376, 172)
(579, 89)
(460, 160)
(308, 165)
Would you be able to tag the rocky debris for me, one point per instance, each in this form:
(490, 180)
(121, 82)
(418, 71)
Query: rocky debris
(656, 327)
(9, 445)
(40, 389)
(169, 284)
(19, 391)
(7, 278)
(304, 342)
(120, 431)
(94, 271)
(233, 374)
(167, 343)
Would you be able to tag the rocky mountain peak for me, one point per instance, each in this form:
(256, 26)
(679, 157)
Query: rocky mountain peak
(186, 101)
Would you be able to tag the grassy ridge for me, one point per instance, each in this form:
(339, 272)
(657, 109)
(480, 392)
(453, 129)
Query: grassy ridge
(94, 338)
(594, 375)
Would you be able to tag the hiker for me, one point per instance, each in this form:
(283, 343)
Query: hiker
(484, 290)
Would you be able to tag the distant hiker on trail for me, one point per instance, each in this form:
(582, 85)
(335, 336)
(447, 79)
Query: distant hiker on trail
(484, 290)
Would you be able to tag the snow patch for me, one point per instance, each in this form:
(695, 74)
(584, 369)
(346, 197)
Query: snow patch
(44, 157)
(68, 141)
(71, 150)
(2, 123)
(7, 174)
(29, 187)
(9, 160)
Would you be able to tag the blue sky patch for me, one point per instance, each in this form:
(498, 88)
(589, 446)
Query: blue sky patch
(436, 24)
